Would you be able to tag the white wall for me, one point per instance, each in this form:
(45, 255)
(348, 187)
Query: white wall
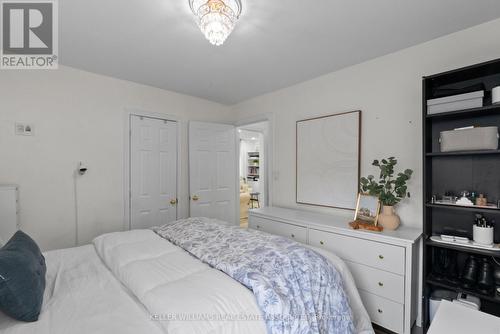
(388, 90)
(79, 116)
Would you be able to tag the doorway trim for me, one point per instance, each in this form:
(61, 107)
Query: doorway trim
(269, 141)
(129, 112)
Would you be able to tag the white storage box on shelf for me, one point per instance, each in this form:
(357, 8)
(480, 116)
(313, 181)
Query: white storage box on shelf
(495, 95)
(485, 138)
(455, 102)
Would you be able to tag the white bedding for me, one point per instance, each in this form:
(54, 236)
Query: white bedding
(159, 281)
(171, 283)
(82, 296)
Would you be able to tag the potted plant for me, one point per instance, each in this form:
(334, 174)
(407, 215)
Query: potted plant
(389, 189)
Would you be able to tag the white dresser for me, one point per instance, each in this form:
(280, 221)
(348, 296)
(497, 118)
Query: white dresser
(8, 212)
(384, 265)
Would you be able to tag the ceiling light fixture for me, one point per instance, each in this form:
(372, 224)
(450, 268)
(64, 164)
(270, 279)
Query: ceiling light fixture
(216, 18)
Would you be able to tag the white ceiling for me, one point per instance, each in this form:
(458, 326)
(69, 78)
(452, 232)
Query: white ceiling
(275, 44)
(249, 135)
(255, 127)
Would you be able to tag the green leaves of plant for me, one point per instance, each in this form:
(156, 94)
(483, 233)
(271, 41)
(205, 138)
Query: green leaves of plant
(390, 190)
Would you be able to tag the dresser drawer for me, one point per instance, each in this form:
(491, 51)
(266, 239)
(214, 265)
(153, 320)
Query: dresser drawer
(371, 253)
(378, 282)
(383, 312)
(297, 233)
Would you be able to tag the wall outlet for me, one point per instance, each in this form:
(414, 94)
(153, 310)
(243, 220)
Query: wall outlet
(24, 129)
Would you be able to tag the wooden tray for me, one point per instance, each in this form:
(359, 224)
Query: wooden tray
(360, 224)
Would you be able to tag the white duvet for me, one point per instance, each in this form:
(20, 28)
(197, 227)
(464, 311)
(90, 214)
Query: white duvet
(83, 297)
(173, 285)
(144, 284)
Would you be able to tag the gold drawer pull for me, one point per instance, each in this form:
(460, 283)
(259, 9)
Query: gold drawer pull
(380, 284)
(293, 235)
(381, 257)
(322, 242)
(380, 311)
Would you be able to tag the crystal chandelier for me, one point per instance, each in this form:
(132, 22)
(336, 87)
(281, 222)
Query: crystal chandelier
(216, 18)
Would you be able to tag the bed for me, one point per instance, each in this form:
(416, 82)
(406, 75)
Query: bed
(138, 282)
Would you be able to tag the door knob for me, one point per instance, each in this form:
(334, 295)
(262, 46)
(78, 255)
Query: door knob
(195, 197)
(173, 201)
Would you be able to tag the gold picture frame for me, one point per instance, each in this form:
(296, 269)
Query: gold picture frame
(367, 208)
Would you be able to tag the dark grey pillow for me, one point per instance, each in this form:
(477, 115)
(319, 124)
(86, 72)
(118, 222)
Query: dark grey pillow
(22, 278)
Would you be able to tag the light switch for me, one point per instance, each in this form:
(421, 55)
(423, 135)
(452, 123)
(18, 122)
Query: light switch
(24, 129)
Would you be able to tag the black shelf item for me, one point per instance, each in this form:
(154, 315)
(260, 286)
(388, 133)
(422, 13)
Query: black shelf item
(457, 171)
(443, 284)
(482, 209)
(493, 109)
(458, 153)
(457, 247)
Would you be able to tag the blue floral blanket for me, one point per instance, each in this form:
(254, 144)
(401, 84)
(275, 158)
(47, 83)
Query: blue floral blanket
(297, 289)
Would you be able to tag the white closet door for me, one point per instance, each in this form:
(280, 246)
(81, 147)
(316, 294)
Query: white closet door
(153, 172)
(212, 171)
(8, 212)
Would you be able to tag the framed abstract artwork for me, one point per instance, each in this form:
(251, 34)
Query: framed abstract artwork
(328, 158)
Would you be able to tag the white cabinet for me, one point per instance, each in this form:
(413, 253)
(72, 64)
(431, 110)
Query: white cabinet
(384, 265)
(384, 312)
(8, 212)
(379, 282)
(379, 255)
(298, 233)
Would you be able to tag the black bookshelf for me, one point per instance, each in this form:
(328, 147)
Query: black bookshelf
(486, 110)
(448, 154)
(450, 286)
(463, 208)
(458, 247)
(457, 171)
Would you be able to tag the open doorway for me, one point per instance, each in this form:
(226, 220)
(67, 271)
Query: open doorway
(252, 171)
